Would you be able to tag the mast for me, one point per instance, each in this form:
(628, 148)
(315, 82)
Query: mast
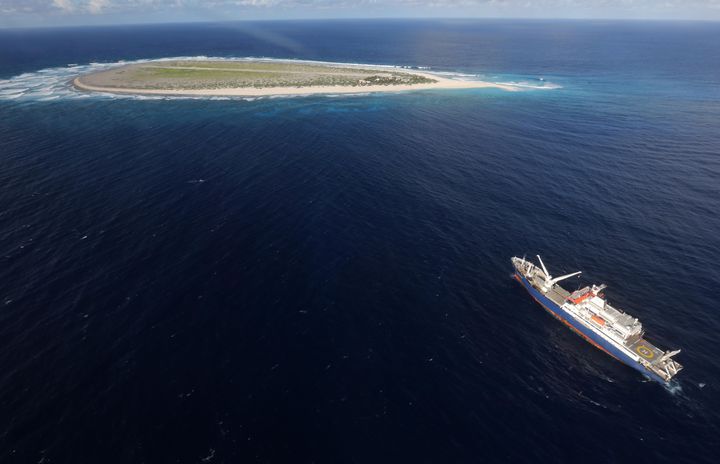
(547, 274)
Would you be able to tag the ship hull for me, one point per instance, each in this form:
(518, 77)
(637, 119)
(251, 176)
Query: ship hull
(587, 334)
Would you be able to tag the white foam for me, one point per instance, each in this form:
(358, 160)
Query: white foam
(457, 75)
(673, 387)
(531, 85)
(349, 95)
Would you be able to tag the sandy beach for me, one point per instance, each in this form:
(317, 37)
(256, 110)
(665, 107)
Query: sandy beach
(438, 82)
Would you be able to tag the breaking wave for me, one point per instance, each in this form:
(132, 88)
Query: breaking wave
(537, 85)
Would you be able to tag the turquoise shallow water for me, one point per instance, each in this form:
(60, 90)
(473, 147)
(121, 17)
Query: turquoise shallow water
(327, 279)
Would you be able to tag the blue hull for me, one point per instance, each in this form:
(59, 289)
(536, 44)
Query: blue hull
(583, 331)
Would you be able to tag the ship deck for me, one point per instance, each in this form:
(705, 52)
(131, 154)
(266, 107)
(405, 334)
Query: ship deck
(641, 347)
(557, 294)
(646, 350)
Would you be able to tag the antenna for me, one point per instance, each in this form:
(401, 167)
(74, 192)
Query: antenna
(547, 274)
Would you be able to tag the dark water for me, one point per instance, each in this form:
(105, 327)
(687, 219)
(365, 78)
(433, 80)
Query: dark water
(327, 279)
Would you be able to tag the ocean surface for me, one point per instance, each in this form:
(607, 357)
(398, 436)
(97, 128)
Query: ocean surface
(327, 279)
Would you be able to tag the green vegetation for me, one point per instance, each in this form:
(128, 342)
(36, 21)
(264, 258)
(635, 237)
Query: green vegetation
(183, 73)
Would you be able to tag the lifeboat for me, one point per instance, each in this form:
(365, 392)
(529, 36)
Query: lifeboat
(598, 320)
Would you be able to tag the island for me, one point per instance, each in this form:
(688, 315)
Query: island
(263, 78)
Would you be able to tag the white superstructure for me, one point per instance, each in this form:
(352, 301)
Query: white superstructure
(610, 329)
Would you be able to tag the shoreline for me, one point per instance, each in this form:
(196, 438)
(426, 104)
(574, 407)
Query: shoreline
(440, 83)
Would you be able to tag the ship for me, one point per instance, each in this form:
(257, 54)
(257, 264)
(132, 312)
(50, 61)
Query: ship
(587, 313)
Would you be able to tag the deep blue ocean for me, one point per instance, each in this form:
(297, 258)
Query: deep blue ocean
(327, 279)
